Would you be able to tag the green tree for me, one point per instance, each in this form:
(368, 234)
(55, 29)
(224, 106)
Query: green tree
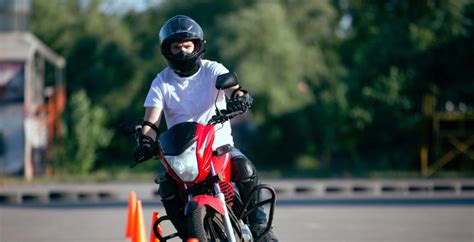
(101, 61)
(337, 84)
(284, 53)
(85, 134)
(394, 51)
(98, 49)
(266, 57)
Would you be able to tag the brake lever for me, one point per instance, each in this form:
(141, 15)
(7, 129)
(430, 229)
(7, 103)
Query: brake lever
(233, 114)
(225, 117)
(138, 132)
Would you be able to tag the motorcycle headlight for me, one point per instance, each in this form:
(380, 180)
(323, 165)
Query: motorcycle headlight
(185, 164)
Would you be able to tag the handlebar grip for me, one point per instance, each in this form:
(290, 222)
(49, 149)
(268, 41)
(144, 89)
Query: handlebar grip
(225, 115)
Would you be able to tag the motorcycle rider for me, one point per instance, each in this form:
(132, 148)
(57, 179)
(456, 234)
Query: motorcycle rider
(185, 91)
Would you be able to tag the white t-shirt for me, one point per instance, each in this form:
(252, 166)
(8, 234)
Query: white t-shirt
(191, 99)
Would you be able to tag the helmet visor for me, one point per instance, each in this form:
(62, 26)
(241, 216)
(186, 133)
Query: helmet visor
(180, 28)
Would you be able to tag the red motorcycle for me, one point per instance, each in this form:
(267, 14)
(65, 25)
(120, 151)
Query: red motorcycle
(213, 211)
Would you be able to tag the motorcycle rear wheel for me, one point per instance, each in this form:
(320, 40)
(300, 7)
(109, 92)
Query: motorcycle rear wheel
(205, 224)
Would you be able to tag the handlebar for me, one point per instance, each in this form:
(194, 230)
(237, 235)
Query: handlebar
(137, 130)
(223, 116)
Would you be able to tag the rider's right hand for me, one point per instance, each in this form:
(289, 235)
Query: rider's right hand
(145, 150)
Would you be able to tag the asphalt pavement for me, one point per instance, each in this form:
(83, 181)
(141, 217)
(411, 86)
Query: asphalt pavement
(307, 210)
(293, 222)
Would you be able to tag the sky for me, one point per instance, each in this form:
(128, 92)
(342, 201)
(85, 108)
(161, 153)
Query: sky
(122, 6)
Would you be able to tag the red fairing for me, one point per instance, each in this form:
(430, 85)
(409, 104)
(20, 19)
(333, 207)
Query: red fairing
(211, 201)
(205, 138)
(222, 166)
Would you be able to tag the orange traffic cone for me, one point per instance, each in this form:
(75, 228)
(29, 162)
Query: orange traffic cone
(140, 231)
(132, 202)
(156, 216)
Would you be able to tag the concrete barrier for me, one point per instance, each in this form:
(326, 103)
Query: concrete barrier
(291, 188)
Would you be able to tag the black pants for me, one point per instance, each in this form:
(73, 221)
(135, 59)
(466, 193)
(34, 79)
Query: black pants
(243, 174)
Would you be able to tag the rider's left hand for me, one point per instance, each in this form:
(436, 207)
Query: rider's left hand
(240, 103)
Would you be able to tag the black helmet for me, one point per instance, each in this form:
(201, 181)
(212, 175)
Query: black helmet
(179, 28)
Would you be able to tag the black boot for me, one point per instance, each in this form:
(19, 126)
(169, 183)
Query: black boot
(258, 229)
(244, 175)
(257, 219)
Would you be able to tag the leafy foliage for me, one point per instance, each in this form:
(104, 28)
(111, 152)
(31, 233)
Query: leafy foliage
(337, 84)
(273, 59)
(85, 134)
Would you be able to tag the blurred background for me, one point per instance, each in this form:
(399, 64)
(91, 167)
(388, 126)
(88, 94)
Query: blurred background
(342, 88)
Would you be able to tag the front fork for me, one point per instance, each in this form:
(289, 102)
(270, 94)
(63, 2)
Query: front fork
(227, 224)
(219, 204)
(221, 207)
(194, 202)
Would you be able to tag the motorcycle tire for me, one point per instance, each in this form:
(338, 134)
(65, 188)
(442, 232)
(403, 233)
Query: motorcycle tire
(205, 224)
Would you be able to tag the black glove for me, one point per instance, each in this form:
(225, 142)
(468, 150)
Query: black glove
(240, 103)
(146, 149)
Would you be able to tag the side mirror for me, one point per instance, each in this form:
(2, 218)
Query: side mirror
(226, 80)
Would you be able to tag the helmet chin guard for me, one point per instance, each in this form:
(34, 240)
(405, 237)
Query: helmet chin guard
(182, 28)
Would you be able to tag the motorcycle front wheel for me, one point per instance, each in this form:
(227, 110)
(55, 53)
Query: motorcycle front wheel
(205, 224)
